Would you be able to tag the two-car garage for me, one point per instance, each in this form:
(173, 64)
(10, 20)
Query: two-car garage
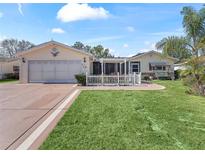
(52, 62)
(53, 71)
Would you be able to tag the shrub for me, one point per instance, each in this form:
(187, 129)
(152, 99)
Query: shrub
(11, 76)
(194, 77)
(81, 79)
(147, 78)
(164, 78)
(177, 74)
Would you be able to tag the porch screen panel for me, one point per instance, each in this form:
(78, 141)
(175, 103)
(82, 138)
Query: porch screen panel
(96, 68)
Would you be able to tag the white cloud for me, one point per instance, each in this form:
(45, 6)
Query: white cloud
(1, 14)
(145, 50)
(104, 38)
(20, 9)
(130, 28)
(178, 31)
(57, 30)
(125, 45)
(74, 12)
(147, 42)
(181, 30)
(113, 52)
(153, 46)
(2, 37)
(150, 46)
(132, 54)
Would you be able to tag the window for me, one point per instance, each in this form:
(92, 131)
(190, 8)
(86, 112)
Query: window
(159, 68)
(135, 67)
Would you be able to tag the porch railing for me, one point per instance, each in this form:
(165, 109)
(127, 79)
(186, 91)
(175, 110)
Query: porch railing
(128, 79)
(164, 74)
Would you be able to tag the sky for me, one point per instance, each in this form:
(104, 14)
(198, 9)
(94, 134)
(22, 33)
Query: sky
(126, 29)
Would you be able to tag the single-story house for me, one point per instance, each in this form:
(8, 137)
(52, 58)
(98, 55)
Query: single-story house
(8, 66)
(56, 62)
(180, 66)
(183, 65)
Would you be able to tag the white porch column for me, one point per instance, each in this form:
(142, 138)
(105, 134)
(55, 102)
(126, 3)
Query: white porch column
(86, 75)
(116, 67)
(140, 77)
(102, 72)
(125, 67)
(102, 67)
(129, 72)
(129, 67)
(125, 72)
(134, 78)
(120, 69)
(118, 79)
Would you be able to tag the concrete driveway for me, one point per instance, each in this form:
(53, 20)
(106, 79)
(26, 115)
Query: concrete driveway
(23, 107)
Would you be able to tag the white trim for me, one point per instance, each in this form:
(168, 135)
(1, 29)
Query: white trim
(112, 60)
(31, 139)
(153, 52)
(52, 43)
(132, 67)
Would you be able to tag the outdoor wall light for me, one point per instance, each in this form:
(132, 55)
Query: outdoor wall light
(23, 60)
(84, 59)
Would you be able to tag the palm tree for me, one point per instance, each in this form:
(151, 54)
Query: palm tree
(194, 75)
(174, 46)
(194, 25)
(193, 44)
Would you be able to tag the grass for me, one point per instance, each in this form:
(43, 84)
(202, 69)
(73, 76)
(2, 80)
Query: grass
(7, 80)
(166, 119)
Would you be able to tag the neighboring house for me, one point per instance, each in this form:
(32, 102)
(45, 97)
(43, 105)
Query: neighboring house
(8, 66)
(56, 62)
(180, 66)
(183, 65)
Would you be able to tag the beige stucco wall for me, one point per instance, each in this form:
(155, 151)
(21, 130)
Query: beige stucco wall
(7, 67)
(152, 57)
(45, 54)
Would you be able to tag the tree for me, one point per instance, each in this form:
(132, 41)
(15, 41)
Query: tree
(87, 48)
(194, 44)
(9, 47)
(194, 76)
(78, 45)
(174, 46)
(98, 51)
(25, 45)
(194, 25)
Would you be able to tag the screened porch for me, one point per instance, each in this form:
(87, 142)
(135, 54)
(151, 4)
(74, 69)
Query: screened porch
(113, 66)
(114, 71)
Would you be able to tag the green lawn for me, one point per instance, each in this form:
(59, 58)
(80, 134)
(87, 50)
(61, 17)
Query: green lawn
(7, 80)
(166, 119)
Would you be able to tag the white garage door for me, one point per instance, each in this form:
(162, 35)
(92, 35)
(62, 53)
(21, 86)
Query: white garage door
(54, 71)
